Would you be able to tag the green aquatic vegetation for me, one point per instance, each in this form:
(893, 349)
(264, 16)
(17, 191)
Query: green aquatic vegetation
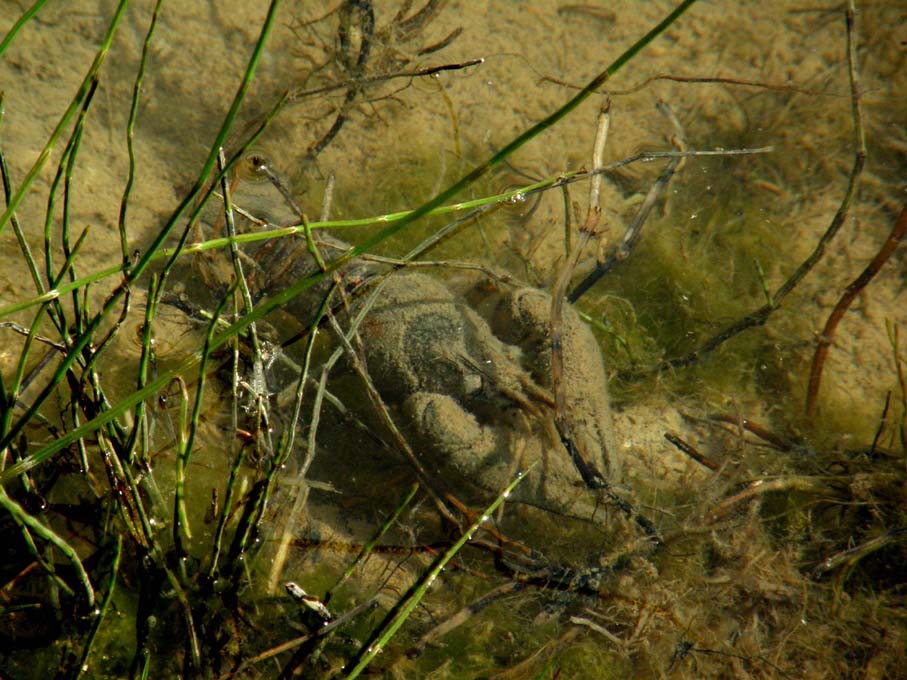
(407, 605)
(683, 285)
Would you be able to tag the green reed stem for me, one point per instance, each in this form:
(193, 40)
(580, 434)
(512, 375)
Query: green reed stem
(20, 22)
(55, 580)
(16, 384)
(130, 130)
(407, 606)
(73, 152)
(146, 358)
(150, 306)
(63, 175)
(238, 271)
(21, 516)
(290, 438)
(84, 666)
(135, 271)
(131, 503)
(20, 237)
(189, 428)
(180, 520)
(83, 91)
(225, 512)
(238, 459)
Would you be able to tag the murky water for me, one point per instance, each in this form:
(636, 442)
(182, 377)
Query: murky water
(768, 549)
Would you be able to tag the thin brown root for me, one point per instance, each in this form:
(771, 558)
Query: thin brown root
(850, 293)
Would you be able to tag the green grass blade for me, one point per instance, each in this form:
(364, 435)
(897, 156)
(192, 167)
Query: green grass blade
(20, 237)
(20, 515)
(67, 115)
(84, 666)
(130, 129)
(412, 600)
(189, 428)
(87, 336)
(24, 19)
(219, 142)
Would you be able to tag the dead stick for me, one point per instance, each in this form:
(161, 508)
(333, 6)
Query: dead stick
(763, 433)
(707, 80)
(850, 293)
(588, 230)
(691, 451)
(803, 483)
(620, 253)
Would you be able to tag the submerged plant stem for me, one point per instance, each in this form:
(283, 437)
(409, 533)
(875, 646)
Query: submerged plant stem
(87, 84)
(21, 516)
(134, 272)
(850, 293)
(406, 606)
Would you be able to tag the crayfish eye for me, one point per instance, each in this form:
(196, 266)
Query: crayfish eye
(472, 384)
(255, 167)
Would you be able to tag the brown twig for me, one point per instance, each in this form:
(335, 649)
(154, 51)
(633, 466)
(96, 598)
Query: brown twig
(691, 451)
(760, 431)
(850, 293)
(298, 95)
(620, 252)
(848, 558)
(463, 615)
(302, 639)
(883, 421)
(804, 483)
(893, 337)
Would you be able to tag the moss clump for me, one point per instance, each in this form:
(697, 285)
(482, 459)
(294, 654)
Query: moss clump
(712, 261)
